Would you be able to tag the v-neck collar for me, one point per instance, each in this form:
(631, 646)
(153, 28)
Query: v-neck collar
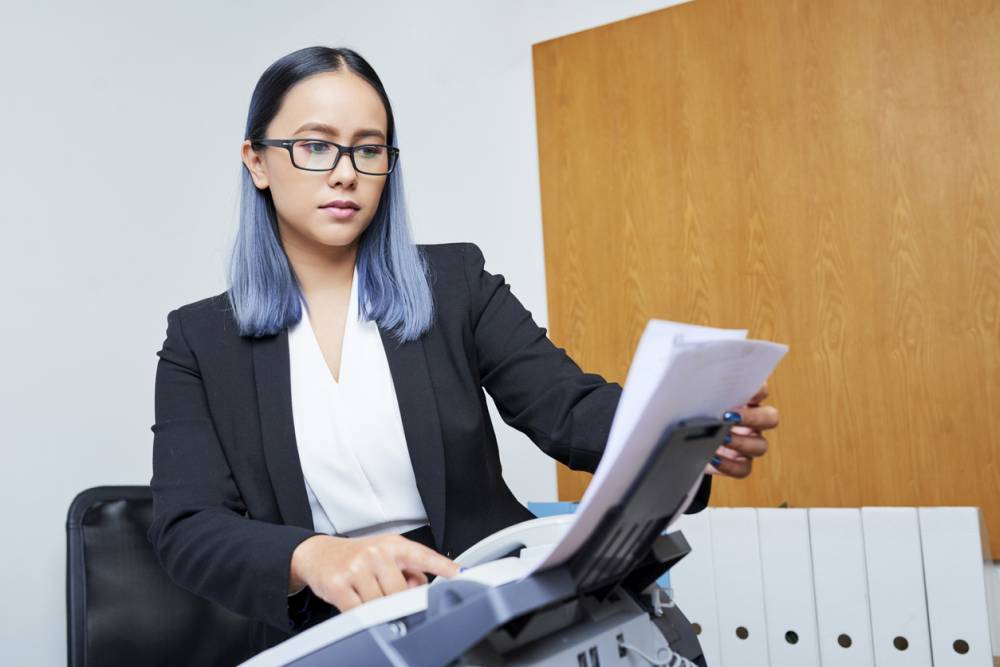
(350, 324)
(417, 407)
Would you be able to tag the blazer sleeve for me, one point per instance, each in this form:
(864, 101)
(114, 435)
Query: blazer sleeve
(537, 387)
(200, 530)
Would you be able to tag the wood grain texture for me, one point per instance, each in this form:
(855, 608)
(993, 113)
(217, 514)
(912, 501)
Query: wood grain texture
(824, 173)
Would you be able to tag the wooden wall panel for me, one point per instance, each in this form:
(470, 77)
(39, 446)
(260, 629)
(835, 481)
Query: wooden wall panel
(824, 173)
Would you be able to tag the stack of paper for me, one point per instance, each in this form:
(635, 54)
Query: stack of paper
(679, 371)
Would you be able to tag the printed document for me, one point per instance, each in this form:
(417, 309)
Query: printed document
(679, 371)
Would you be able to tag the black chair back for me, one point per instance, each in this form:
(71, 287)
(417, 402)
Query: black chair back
(122, 609)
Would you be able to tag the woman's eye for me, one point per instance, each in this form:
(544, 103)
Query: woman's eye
(371, 151)
(316, 147)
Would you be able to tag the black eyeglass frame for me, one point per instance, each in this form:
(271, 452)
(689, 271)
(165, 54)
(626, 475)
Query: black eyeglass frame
(288, 144)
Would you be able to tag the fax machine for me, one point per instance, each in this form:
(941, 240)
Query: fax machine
(599, 608)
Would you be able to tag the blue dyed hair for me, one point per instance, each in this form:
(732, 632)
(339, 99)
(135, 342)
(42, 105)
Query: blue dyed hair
(393, 282)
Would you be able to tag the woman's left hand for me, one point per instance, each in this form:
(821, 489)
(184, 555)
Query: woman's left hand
(735, 459)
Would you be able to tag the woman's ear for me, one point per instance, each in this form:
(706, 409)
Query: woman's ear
(256, 166)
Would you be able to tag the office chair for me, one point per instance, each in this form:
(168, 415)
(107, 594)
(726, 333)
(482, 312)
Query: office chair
(121, 607)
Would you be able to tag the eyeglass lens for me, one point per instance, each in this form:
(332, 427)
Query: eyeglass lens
(372, 159)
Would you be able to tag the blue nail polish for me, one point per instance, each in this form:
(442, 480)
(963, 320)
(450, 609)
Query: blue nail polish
(461, 569)
(716, 461)
(728, 439)
(733, 417)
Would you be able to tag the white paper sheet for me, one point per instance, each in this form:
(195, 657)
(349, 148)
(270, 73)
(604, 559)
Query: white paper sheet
(679, 371)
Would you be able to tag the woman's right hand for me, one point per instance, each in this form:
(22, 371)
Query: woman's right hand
(346, 571)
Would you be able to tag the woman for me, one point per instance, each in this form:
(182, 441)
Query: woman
(322, 437)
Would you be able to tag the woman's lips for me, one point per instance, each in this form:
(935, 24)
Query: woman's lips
(339, 213)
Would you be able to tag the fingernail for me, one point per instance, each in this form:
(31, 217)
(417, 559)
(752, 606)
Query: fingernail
(461, 569)
(732, 417)
(716, 461)
(727, 439)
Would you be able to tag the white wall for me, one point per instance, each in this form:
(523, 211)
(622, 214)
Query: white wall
(96, 251)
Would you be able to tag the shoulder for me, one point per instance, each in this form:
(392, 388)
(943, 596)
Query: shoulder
(214, 306)
(449, 251)
(460, 260)
(217, 303)
(209, 316)
(454, 267)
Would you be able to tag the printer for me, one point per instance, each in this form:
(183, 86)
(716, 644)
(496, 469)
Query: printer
(599, 607)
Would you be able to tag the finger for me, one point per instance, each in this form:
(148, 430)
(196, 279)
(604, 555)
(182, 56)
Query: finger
(726, 453)
(347, 600)
(339, 592)
(721, 454)
(759, 418)
(415, 556)
(749, 445)
(366, 584)
(737, 469)
(414, 578)
(390, 578)
(759, 397)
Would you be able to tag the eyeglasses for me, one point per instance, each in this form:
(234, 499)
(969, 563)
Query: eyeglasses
(320, 155)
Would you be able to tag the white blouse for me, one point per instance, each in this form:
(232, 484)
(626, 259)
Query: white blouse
(350, 438)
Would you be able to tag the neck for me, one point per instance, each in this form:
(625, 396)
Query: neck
(322, 271)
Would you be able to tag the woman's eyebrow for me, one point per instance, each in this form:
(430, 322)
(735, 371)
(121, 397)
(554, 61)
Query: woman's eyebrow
(332, 131)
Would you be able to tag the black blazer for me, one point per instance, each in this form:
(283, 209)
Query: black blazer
(230, 503)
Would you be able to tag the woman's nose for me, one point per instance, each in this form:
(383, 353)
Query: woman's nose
(343, 171)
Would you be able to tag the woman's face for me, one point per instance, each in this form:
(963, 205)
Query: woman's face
(335, 106)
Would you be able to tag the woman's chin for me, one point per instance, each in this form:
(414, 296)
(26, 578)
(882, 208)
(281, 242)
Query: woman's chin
(337, 238)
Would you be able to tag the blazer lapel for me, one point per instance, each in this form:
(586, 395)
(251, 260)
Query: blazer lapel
(418, 412)
(421, 425)
(272, 376)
